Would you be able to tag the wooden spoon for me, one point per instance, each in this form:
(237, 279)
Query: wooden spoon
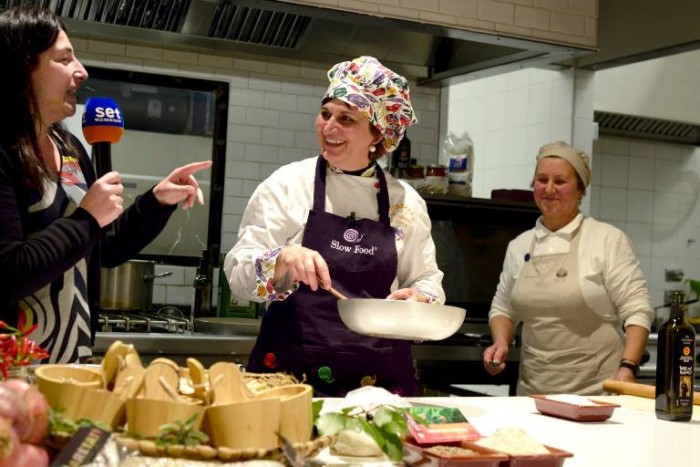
(227, 383)
(129, 382)
(132, 356)
(198, 375)
(112, 362)
(152, 385)
(337, 294)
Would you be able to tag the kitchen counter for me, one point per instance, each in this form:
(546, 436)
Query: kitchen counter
(208, 348)
(435, 362)
(633, 436)
(165, 344)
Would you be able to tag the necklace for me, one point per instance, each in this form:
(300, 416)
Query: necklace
(367, 172)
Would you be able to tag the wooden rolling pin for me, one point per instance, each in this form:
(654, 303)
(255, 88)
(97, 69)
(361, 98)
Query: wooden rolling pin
(635, 389)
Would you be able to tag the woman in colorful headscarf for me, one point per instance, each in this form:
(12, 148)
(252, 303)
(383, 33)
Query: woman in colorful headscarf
(338, 217)
(574, 283)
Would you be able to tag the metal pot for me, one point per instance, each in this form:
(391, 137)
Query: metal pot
(128, 286)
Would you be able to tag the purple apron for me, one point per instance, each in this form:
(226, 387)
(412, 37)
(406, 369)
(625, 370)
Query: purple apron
(304, 334)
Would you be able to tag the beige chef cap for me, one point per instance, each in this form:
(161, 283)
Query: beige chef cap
(577, 158)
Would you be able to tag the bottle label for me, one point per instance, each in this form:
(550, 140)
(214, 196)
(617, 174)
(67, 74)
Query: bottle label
(686, 371)
(458, 163)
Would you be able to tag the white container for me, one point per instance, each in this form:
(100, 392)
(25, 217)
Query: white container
(459, 184)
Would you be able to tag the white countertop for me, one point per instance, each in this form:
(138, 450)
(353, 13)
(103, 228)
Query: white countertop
(633, 436)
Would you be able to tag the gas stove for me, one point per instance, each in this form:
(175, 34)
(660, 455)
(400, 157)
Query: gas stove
(166, 319)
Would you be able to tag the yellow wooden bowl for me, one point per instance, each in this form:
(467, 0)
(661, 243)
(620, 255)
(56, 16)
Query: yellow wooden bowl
(248, 424)
(296, 416)
(98, 405)
(144, 417)
(64, 385)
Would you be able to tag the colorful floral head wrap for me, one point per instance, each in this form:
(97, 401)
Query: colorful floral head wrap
(377, 92)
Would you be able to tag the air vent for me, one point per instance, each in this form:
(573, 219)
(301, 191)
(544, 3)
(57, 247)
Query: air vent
(646, 127)
(161, 15)
(257, 26)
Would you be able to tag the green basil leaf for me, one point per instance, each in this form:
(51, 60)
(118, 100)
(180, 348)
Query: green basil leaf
(331, 423)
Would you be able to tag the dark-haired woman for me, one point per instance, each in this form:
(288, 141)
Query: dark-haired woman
(53, 211)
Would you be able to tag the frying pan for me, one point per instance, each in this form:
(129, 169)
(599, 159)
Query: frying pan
(398, 319)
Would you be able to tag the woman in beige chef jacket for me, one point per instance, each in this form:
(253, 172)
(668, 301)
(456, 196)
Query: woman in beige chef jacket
(575, 284)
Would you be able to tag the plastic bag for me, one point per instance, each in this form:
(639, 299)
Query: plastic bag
(458, 156)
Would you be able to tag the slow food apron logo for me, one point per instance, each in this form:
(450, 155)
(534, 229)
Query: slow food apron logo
(353, 236)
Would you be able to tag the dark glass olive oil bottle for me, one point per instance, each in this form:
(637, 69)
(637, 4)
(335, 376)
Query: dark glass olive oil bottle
(675, 364)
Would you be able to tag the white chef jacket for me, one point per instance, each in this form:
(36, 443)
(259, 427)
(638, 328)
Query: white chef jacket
(610, 278)
(278, 209)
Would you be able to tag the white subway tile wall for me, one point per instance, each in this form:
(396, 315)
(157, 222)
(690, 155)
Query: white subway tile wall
(651, 190)
(271, 113)
(511, 115)
(648, 189)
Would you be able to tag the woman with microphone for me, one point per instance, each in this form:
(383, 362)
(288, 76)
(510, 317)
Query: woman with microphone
(54, 209)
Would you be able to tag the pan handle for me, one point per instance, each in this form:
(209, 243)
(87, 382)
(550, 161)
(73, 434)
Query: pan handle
(150, 277)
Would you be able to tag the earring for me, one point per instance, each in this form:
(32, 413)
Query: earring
(372, 149)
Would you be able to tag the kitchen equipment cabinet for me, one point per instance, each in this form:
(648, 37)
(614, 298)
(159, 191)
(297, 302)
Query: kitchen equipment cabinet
(471, 236)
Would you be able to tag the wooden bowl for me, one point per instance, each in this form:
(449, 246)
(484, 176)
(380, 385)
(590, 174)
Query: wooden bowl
(248, 424)
(98, 405)
(64, 385)
(296, 416)
(144, 417)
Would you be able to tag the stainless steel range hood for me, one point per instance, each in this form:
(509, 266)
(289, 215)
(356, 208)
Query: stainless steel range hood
(656, 129)
(425, 53)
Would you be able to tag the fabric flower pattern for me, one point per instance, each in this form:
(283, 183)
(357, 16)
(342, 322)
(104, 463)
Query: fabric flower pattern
(264, 272)
(379, 93)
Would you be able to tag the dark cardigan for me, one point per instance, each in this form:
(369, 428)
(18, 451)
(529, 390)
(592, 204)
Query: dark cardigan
(28, 264)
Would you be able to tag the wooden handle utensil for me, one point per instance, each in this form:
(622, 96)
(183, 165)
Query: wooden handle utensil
(635, 389)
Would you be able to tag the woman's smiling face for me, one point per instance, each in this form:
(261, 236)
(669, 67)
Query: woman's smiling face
(56, 80)
(344, 135)
(557, 192)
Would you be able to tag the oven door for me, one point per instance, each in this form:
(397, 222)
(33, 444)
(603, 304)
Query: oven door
(455, 366)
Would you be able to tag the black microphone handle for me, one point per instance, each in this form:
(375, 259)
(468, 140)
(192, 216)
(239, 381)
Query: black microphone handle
(102, 158)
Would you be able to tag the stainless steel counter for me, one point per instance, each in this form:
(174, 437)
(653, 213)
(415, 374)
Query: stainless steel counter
(205, 347)
(197, 344)
(439, 364)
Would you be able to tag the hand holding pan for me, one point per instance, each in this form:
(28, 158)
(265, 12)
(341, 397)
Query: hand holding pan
(398, 319)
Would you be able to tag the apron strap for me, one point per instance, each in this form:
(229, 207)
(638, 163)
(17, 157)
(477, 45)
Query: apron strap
(320, 185)
(382, 197)
(320, 191)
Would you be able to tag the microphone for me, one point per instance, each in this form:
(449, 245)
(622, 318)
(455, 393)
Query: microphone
(103, 124)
